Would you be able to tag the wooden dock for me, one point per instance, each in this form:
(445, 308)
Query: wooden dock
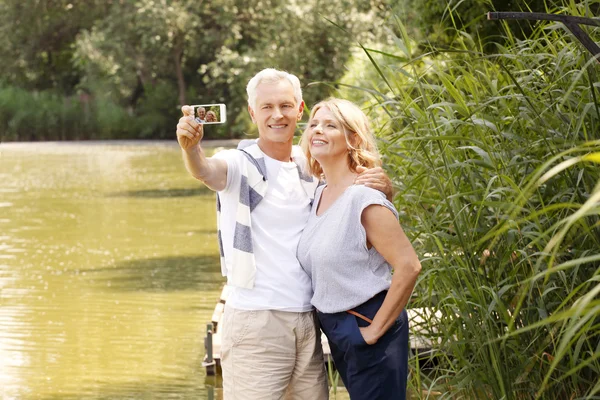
(420, 334)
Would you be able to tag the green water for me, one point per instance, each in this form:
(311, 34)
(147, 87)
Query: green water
(109, 272)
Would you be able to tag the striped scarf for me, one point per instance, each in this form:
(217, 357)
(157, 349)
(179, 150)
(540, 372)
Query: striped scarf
(253, 187)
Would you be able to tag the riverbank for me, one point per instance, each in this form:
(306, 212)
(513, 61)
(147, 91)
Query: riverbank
(166, 143)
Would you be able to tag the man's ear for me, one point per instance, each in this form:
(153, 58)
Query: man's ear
(300, 111)
(251, 111)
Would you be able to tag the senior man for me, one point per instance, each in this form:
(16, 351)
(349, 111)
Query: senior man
(271, 347)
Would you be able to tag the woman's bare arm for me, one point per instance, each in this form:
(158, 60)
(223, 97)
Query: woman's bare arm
(386, 235)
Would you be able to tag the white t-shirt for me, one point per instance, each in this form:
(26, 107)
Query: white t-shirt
(277, 224)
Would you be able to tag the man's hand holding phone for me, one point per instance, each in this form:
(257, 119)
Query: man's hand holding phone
(189, 131)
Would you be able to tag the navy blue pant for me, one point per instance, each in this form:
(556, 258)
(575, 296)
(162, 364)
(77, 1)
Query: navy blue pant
(370, 372)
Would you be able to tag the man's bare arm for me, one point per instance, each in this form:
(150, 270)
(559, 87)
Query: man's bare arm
(211, 171)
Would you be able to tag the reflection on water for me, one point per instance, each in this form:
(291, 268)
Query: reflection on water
(108, 273)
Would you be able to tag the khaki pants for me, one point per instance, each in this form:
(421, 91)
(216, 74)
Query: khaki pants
(272, 355)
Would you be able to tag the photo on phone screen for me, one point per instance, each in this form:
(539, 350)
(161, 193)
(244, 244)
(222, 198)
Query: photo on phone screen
(210, 113)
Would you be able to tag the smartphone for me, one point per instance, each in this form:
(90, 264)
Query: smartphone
(210, 113)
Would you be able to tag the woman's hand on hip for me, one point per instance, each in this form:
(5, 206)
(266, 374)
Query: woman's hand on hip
(368, 334)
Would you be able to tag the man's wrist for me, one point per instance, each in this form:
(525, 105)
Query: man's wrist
(194, 150)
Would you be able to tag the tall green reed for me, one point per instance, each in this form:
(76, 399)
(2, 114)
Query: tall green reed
(49, 115)
(33, 116)
(496, 160)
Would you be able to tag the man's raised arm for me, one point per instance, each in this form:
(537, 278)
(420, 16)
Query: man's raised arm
(211, 171)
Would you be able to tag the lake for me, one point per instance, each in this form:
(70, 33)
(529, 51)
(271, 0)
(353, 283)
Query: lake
(109, 272)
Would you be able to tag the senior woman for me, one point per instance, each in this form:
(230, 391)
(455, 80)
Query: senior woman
(349, 247)
(211, 116)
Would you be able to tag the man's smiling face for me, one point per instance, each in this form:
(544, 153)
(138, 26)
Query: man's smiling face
(276, 112)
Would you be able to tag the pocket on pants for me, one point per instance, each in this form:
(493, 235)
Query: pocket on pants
(236, 325)
(356, 337)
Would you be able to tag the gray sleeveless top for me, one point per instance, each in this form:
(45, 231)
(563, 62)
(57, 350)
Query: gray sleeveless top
(333, 252)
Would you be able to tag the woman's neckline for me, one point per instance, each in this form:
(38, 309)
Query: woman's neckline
(323, 212)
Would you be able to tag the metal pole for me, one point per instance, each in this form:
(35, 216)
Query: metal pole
(209, 361)
(209, 343)
(572, 23)
(532, 16)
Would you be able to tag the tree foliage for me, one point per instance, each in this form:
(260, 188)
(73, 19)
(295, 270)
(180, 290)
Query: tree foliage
(37, 41)
(439, 22)
(149, 57)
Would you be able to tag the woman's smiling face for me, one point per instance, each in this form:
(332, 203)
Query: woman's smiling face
(326, 136)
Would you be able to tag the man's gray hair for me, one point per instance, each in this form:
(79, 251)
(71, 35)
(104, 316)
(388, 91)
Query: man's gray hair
(271, 75)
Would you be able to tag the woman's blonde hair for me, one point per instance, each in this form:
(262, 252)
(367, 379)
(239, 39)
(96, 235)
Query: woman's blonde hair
(362, 148)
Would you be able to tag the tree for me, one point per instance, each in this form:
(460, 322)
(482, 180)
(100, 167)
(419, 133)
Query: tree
(145, 58)
(37, 41)
(440, 21)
